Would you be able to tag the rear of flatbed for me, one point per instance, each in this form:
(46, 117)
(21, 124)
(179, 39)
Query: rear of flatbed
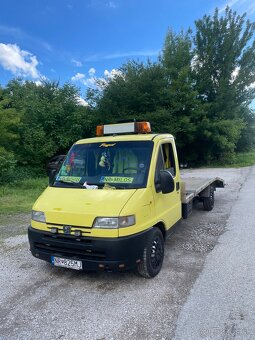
(197, 188)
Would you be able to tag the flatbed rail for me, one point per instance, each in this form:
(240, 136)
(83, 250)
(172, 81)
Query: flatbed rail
(193, 186)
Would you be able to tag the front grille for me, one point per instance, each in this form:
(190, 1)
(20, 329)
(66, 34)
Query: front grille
(83, 254)
(66, 238)
(73, 228)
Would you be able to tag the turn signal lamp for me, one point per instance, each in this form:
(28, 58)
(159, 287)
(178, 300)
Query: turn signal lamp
(125, 128)
(143, 127)
(100, 130)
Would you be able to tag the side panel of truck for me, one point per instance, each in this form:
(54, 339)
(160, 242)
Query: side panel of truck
(167, 206)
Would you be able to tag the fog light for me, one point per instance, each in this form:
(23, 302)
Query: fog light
(101, 265)
(54, 230)
(77, 233)
(121, 265)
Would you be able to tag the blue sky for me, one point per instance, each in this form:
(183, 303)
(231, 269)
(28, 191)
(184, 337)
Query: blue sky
(78, 40)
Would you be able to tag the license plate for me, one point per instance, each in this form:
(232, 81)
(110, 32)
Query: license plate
(66, 263)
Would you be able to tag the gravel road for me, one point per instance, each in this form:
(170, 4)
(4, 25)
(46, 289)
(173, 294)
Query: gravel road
(38, 301)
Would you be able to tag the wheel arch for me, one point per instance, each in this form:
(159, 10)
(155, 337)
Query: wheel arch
(162, 228)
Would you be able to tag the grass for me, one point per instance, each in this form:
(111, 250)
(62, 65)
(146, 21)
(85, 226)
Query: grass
(18, 197)
(240, 160)
(245, 159)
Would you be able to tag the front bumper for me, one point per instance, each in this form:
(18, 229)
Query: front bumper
(111, 254)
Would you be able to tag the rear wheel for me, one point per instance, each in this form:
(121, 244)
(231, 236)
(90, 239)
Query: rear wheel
(208, 202)
(153, 255)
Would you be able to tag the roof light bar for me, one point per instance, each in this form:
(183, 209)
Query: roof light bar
(124, 128)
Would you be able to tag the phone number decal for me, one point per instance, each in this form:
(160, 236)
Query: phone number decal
(112, 179)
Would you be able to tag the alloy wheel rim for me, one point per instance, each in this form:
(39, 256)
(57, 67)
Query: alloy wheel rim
(156, 253)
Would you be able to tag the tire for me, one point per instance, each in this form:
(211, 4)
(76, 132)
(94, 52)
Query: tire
(208, 202)
(153, 255)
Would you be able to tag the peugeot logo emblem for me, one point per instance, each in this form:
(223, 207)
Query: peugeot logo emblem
(67, 229)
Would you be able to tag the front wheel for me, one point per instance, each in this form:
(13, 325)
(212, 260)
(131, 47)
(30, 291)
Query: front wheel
(153, 255)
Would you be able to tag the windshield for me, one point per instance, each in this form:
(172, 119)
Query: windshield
(120, 165)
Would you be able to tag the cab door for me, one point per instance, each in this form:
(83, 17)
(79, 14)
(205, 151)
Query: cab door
(167, 206)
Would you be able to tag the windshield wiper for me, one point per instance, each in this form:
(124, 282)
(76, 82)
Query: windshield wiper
(108, 186)
(70, 182)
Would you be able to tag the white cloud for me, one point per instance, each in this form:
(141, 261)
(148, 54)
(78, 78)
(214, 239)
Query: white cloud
(77, 63)
(252, 86)
(87, 81)
(242, 5)
(17, 61)
(78, 77)
(93, 81)
(234, 74)
(92, 72)
(111, 4)
(103, 4)
(251, 9)
(142, 53)
(82, 102)
(90, 82)
(125, 54)
(21, 36)
(228, 4)
(111, 74)
(38, 83)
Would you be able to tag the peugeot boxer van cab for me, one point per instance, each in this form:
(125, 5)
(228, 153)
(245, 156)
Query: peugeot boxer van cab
(112, 202)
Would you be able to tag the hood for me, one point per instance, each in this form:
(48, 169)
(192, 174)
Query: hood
(79, 207)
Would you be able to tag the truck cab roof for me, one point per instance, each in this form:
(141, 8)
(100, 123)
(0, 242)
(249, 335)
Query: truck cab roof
(126, 137)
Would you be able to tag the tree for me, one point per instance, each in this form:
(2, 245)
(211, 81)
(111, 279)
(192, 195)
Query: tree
(133, 93)
(9, 119)
(51, 119)
(9, 138)
(185, 111)
(224, 65)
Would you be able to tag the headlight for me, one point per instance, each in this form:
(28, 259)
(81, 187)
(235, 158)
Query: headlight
(126, 221)
(114, 222)
(38, 216)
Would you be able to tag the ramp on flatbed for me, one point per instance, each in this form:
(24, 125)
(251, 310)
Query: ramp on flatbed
(193, 186)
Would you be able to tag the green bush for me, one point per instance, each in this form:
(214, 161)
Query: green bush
(10, 172)
(7, 164)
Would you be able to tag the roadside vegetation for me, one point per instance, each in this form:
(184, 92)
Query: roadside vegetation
(200, 89)
(240, 159)
(244, 159)
(19, 196)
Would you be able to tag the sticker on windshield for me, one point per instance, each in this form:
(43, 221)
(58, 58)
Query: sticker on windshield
(105, 145)
(70, 179)
(114, 179)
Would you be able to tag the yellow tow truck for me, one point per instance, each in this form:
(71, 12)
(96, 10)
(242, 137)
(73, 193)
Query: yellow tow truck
(114, 201)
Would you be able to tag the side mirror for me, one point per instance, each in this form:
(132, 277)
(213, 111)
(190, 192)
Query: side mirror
(52, 175)
(166, 181)
(53, 166)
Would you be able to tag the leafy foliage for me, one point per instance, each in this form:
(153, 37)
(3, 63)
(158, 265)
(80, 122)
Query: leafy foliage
(200, 90)
(135, 91)
(51, 119)
(224, 67)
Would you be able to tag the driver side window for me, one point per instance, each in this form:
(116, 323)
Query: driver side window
(168, 156)
(165, 161)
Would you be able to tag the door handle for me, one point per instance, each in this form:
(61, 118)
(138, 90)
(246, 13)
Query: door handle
(177, 186)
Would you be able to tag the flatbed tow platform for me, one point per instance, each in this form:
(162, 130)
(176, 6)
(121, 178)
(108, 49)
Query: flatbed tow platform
(199, 189)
